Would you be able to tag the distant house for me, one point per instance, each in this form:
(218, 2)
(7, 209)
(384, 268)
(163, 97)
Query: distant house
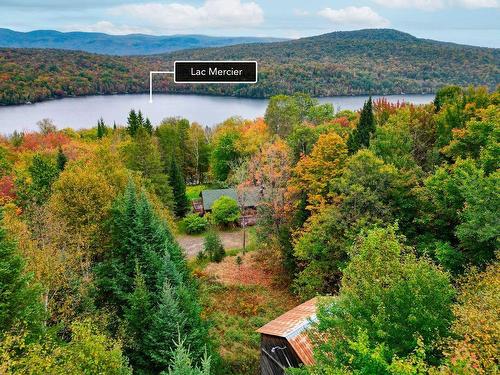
(284, 342)
(248, 197)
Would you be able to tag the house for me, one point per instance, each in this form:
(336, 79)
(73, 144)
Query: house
(284, 342)
(249, 198)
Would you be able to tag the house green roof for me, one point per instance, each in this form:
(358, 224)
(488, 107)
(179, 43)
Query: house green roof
(250, 197)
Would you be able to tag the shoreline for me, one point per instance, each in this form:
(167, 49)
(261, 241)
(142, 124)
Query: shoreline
(2, 105)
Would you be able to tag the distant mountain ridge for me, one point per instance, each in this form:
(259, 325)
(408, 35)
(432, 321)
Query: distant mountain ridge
(373, 61)
(120, 45)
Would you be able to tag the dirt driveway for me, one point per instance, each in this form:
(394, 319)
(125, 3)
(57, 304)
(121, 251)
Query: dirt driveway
(192, 245)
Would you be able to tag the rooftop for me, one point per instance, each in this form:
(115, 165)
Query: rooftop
(250, 196)
(292, 322)
(292, 325)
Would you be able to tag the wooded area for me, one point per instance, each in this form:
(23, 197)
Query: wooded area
(392, 209)
(377, 61)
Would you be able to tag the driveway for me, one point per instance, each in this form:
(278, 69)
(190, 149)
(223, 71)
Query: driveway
(192, 245)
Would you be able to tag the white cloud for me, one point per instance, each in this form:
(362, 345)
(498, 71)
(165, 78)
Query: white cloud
(354, 17)
(431, 5)
(413, 4)
(476, 4)
(109, 28)
(212, 14)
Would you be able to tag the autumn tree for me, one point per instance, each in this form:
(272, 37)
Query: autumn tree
(88, 351)
(314, 172)
(474, 348)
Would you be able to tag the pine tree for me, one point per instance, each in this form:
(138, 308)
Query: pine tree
(140, 240)
(19, 298)
(166, 322)
(181, 202)
(360, 137)
(101, 128)
(140, 119)
(137, 316)
(182, 364)
(148, 126)
(61, 160)
(132, 123)
(114, 125)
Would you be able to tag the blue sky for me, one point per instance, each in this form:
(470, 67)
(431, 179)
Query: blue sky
(475, 22)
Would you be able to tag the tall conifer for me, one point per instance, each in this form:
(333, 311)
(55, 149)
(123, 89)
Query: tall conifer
(181, 202)
(360, 137)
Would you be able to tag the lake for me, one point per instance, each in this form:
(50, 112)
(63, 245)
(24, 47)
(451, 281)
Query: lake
(83, 112)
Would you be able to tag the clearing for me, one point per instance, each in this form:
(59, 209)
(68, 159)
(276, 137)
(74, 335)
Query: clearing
(192, 245)
(237, 300)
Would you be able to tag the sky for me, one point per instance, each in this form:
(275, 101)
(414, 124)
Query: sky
(474, 22)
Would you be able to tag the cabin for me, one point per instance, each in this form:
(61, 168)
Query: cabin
(285, 343)
(248, 197)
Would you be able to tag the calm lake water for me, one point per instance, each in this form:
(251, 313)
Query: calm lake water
(83, 112)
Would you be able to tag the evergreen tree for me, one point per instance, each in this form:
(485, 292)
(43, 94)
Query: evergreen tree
(61, 160)
(140, 119)
(148, 126)
(19, 299)
(137, 314)
(360, 137)
(213, 246)
(182, 364)
(181, 202)
(114, 126)
(102, 129)
(132, 123)
(145, 274)
(166, 322)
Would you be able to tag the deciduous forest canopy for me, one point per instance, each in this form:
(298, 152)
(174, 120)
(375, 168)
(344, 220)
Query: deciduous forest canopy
(373, 61)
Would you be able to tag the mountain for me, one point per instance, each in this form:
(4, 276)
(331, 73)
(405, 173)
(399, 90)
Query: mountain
(121, 45)
(376, 61)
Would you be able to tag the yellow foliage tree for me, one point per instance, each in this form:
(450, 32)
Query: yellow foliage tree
(313, 173)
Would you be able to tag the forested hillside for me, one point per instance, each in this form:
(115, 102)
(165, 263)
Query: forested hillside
(340, 63)
(393, 210)
(134, 44)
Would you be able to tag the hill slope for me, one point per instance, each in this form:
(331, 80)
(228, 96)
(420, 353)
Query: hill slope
(340, 63)
(134, 44)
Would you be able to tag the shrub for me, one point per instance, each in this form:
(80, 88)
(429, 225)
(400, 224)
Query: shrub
(194, 224)
(225, 210)
(213, 247)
